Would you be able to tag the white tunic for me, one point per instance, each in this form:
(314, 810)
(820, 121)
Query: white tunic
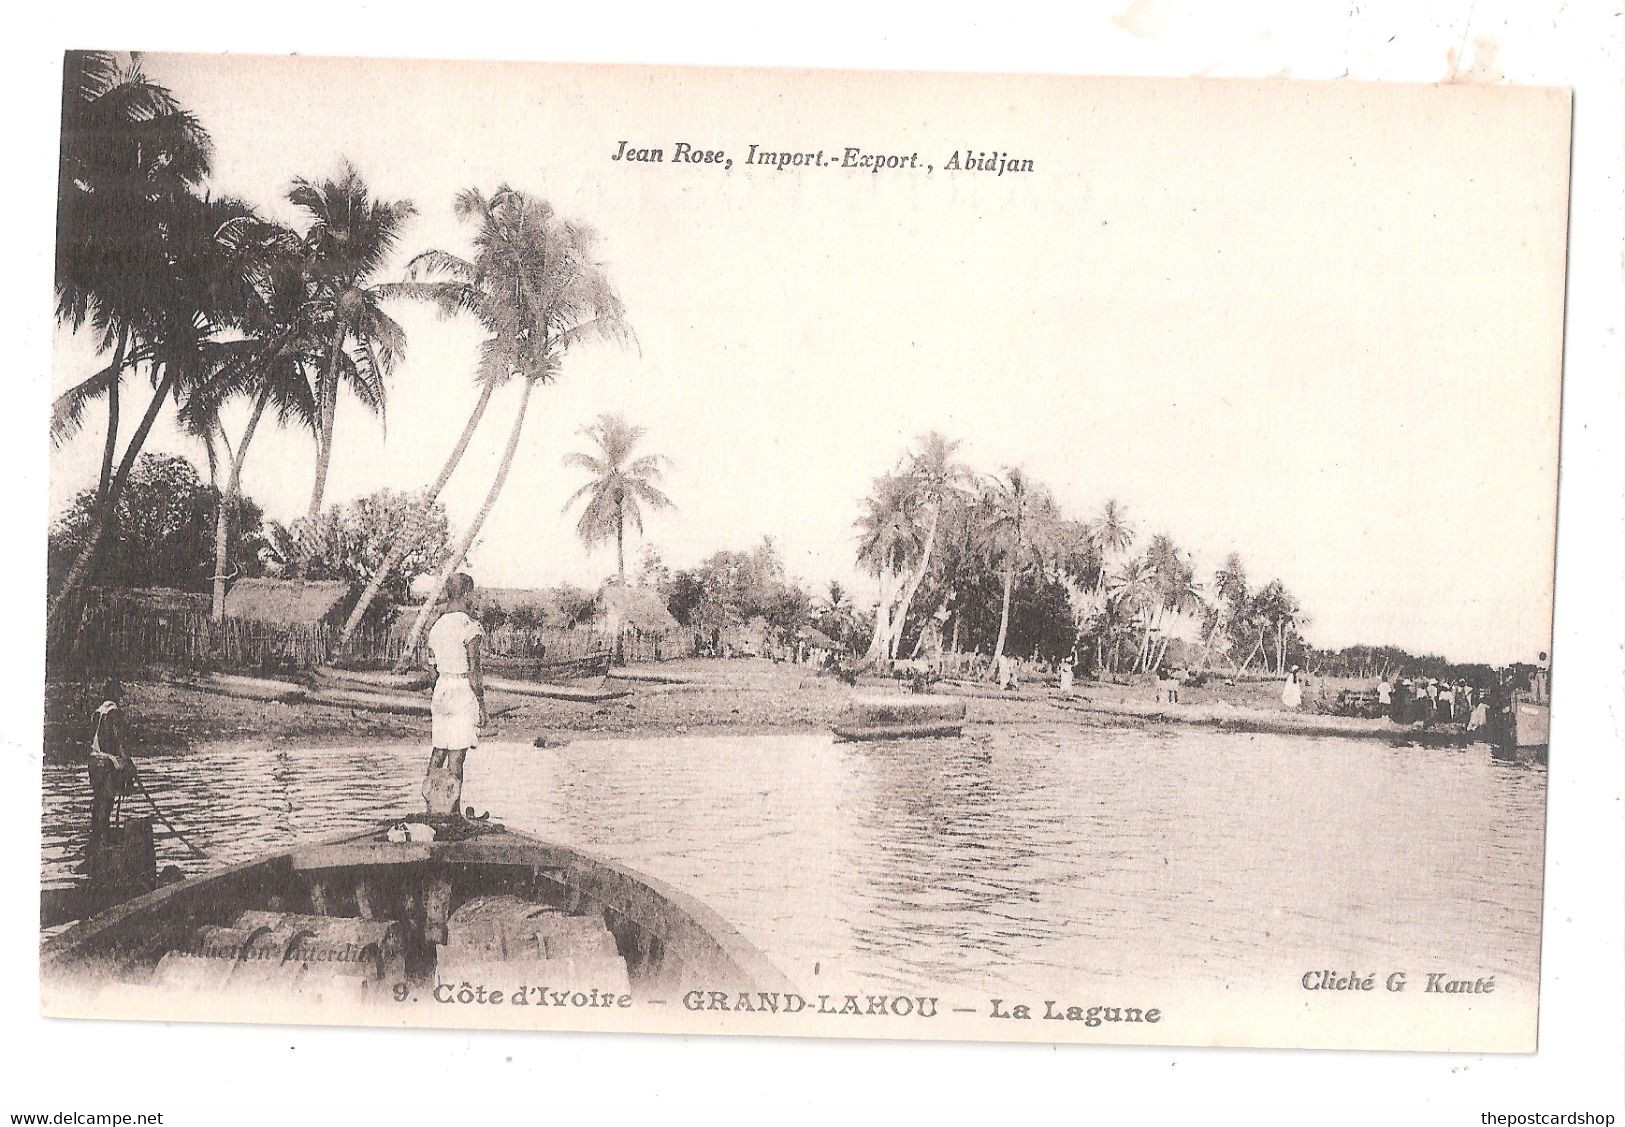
(455, 712)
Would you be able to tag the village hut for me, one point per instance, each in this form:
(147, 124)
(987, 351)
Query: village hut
(288, 602)
(815, 647)
(747, 639)
(621, 609)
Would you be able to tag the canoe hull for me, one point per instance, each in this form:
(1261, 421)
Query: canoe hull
(869, 733)
(666, 939)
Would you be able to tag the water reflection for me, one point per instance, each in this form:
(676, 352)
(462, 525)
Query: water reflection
(1033, 857)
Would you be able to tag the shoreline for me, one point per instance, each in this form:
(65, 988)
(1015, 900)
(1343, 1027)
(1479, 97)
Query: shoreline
(708, 697)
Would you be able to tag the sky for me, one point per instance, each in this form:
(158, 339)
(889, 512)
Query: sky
(1316, 324)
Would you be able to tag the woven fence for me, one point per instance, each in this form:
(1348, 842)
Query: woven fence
(107, 638)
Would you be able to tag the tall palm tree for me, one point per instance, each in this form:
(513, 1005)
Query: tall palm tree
(270, 366)
(1112, 534)
(351, 236)
(128, 149)
(536, 280)
(210, 260)
(938, 480)
(1131, 593)
(499, 285)
(1230, 596)
(621, 485)
(889, 544)
(1022, 517)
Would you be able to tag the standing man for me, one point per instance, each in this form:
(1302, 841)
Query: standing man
(456, 646)
(111, 774)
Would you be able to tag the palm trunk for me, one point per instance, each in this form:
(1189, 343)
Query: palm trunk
(461, 551)
(115, 489)
(882, 632)
(1004, 619)
(228, 502)
(327, 405)
(915, 581)
(1212, 636)
(110, 446)
(620, 539)
(403, 543)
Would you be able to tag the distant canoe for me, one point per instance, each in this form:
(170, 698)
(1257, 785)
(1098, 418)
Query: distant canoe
(870, 733)
(582, 694)
(912, 717)
(335, 695)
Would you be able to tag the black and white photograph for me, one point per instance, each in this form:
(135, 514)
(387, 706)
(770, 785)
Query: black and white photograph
(801, 553)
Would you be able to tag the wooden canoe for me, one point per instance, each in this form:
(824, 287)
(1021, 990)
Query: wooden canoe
(908, 716)
(400, 905)
(854, 733)
(582, 694)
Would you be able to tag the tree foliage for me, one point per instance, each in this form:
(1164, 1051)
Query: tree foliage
(162, 532)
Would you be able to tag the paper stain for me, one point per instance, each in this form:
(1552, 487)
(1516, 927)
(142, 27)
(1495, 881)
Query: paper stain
(1484, 67)
(1144, 19)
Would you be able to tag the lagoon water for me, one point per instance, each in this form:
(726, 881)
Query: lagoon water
(1027, 857)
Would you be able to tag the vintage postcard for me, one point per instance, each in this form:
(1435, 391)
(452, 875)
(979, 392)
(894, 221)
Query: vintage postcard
(801, 553)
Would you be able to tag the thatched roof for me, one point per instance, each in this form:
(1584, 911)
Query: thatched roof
(510, 599)
(637, 608)
(286, 601)
(816, 637)
(156, 599)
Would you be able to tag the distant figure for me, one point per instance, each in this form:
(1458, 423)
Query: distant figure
(1385, 693)
(1399, 711)
(1066, 675)
(1432, 705)
(1168, 685)
(1292, 691)
(456, 646)
(1479, 718)
(1447, 702)
(111, 770)
(1005, 669)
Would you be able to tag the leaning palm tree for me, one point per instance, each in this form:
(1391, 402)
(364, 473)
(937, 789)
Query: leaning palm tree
(531, 306)
(270, 366)
(128, 149)
(210, 259)
(351, 235)
(537, 283)
(938, 481)
(621, 485)
(1022, 517)
(1230, 596)
(888, 546)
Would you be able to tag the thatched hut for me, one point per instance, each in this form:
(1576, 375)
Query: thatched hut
(639, 609)
(288, 602)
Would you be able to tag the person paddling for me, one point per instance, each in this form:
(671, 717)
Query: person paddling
(456, 647)
(111, 771)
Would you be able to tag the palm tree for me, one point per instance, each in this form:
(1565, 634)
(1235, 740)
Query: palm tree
(270, 366)
(1131, 591)
(497, 285)
(1112, 534)
(1022, 516)
(128, 149)
(210, 262)
(888, 546)
(350, 237)
(621, 485)
(938, 480)
(537, 284)
(1229, 598)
